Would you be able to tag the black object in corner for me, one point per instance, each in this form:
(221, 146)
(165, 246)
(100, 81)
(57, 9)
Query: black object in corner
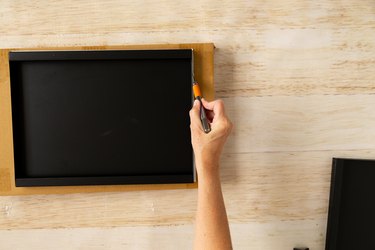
(351, 216)
(101, 117)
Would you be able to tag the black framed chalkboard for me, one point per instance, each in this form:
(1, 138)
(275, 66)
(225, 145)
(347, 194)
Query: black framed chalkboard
(101, 117)
(351, 215)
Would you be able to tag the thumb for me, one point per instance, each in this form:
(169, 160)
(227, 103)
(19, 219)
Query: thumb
(195, 113)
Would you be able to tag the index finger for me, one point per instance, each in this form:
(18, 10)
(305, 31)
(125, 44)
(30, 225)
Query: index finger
(216, 106)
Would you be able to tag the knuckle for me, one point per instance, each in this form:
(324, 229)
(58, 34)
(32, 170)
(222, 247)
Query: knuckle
(220, 103)
(227, 126)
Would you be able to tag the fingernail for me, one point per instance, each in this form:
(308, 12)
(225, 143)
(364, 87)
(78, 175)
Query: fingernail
(195, 102)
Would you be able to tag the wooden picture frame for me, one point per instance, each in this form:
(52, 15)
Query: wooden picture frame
(203, 69)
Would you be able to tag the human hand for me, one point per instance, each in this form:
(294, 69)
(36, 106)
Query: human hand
(208, 147)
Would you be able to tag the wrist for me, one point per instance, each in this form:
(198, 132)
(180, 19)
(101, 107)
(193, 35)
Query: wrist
(205, 161)
(209, 171)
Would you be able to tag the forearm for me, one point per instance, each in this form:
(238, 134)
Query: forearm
(212, 230)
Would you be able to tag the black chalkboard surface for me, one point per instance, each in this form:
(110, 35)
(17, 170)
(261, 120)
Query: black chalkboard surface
(101, 117)
(351, 216)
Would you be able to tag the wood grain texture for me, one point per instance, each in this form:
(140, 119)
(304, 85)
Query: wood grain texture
(301, 123)
(297, 78)
(278, 235)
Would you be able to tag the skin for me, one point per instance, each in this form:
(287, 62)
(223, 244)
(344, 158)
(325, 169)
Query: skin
(211, 228)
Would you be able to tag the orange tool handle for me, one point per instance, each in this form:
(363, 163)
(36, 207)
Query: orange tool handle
(196, 91)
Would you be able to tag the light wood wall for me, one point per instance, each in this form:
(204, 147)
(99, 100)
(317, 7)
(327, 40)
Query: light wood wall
(298, 81)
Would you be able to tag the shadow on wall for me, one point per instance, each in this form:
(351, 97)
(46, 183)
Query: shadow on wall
(224, 78)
